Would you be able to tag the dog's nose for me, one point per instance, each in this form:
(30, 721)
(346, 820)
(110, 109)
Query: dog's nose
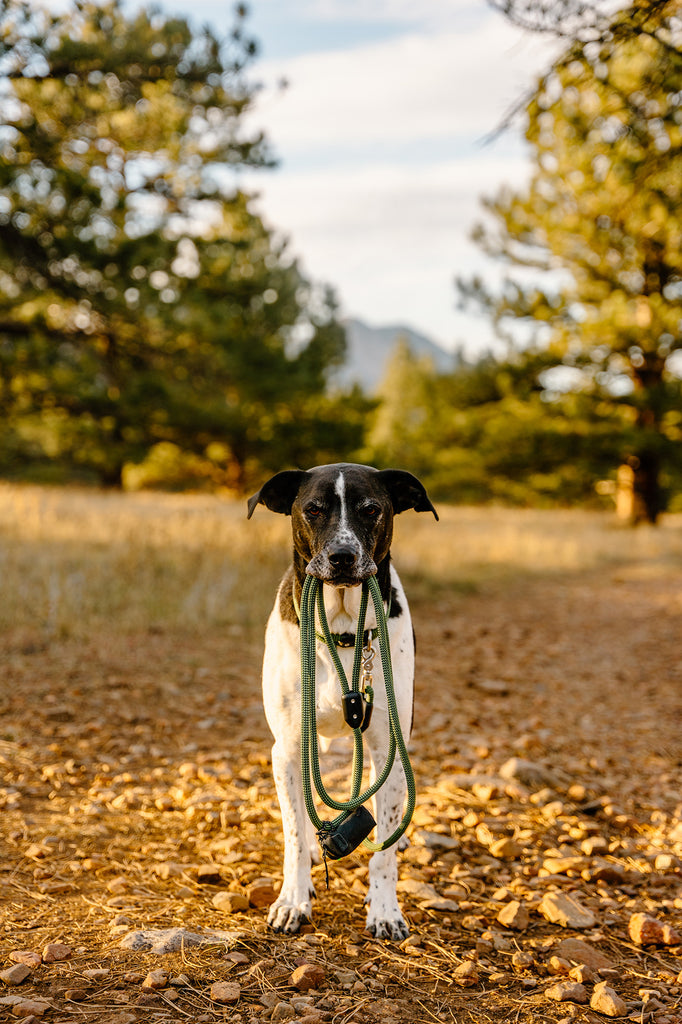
(342, 557)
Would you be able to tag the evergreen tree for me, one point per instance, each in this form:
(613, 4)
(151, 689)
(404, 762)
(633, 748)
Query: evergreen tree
(142, 301)
(603, 215)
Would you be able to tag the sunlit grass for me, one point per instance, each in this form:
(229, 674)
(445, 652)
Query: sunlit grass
(72, 560)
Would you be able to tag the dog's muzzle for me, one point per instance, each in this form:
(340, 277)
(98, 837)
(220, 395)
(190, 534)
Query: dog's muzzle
(342, 565)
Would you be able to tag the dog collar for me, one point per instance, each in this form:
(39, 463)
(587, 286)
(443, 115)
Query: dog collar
(342, 639)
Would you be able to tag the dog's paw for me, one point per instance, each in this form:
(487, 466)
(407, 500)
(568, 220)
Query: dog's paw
(393, 926)
(287, 916)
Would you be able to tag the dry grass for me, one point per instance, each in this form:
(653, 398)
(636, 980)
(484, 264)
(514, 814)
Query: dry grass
(73, 559)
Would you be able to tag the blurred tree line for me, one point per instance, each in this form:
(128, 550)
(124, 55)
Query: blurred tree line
(153, 331)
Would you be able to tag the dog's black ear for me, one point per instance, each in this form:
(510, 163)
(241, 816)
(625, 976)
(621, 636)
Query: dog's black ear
(279, 492)
(406, 491)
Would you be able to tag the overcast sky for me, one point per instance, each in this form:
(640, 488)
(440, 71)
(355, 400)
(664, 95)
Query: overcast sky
(380, 140)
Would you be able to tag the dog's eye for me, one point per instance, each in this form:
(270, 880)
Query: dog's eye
(314, 511)
(372, 511)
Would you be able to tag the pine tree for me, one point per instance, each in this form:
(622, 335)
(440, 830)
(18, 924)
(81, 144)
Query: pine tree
(142, 301)
(603, 215)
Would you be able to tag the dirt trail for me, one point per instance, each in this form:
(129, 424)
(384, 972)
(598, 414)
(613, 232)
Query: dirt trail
(130, 761)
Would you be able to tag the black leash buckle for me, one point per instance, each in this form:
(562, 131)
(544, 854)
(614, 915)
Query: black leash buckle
(357, 711)
(346, 836)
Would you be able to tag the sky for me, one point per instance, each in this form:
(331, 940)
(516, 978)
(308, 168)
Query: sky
(380, 136)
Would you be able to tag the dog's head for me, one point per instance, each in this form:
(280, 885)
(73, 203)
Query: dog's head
(342, 515)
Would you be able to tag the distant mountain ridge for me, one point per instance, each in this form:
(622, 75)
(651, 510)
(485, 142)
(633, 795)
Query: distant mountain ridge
(369, 350)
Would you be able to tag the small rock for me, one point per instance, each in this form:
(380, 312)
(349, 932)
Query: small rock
(15, 975)
(529, 773)
(76, 995)
(168, 869)
(174, 940)
(420, 890)
(283, 1011)
(155, 980)
(262, 892)
(514, 915)
(466, 974)
(581, 973)
(26, 956)
(562, 865)
(436, 840)
(440, 904)
(225, 992)
(607, 1001)
(36, 1007)
(580, 952)
(209, 874)
(567, 992)
(557, 965)
(55, 951)
(523, 961)
(505, 848)
(666, 862)
(649, 931)
(307, 976)
(96, 973)
(566, 910)
(237, 958)
(230, 902)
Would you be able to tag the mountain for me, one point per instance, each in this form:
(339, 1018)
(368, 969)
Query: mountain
(370, 348)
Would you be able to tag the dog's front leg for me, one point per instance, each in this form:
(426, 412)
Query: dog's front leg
(384, 917)
(293, 906)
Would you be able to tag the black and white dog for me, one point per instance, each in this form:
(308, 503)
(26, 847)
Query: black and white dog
(342, 521)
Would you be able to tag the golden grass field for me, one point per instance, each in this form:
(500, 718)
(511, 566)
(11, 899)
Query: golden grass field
(73, 559)
(134, 752)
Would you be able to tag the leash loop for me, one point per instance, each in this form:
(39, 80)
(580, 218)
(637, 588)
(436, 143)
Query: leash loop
(357, 829)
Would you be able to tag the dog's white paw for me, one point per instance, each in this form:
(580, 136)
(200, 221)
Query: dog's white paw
(287, 915)
(390, 925)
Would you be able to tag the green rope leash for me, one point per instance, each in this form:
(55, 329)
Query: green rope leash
(311, 597)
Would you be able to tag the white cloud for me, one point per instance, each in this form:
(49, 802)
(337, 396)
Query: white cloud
(391, 238)
(408, 89)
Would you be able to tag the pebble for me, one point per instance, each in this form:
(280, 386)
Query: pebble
(466, 974)
(262, 892)
(155, 980)
(230, 902)
(307, 976)
(607, 1001)
(225, 992)
(16, 974)
(557, 965)
(580, 952)
(649, 931)
(283, 1011)
(567, 992)
(173, 940)
(209, 874)
(420, 890)
(514, 915)
(26, 956)
(529, 773)
(566, 910)
(56, 951)
(440, 904)
(523, 961)
(505, 848)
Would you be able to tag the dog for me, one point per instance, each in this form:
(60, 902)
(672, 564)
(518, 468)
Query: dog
(342, 525)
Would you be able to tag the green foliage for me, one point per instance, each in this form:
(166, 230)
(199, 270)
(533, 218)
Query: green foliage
(494, 431)
(144, 308)
(603, 215)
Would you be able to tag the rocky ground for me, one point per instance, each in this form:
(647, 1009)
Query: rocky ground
(543, 879)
